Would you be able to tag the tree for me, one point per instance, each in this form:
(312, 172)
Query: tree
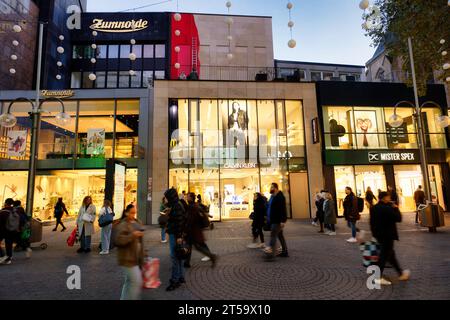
(426, 22)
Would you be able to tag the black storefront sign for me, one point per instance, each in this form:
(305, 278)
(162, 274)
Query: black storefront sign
(397, 135)
(390, 157)
(374, 157)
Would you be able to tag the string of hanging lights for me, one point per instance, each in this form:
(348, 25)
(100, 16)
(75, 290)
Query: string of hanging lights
(92, 75)
(17, 29)
(177, 17)
(60, 51)
(291, 43)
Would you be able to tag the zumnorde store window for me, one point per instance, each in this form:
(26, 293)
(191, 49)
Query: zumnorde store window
(348, 128)
(226, 150)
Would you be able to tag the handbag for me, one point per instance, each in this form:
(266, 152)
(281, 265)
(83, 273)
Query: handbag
(105, 219)
(72, 238)
(182, 250)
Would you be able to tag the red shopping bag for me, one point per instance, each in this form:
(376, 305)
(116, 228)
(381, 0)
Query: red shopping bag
(72, 238)
(150, 273)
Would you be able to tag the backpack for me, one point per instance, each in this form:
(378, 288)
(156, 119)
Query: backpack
(360, 204)
(13, 221)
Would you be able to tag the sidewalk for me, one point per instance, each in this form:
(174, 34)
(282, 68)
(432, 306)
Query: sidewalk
(320, 267)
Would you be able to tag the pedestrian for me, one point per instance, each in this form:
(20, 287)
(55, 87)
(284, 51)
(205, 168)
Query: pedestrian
(394, 196)
(419, 198)
(175, 229)
(130, 253)
(330, 218)
(106, 230)
(59, 210)
(351, 213)
(384, 217)
(194, 231)
(316, 218)
(319, 210)
(276, 218)
(22, 240)
(259, 220)
(370, 198)
(6, 232)
(163, 218)
(85, 223)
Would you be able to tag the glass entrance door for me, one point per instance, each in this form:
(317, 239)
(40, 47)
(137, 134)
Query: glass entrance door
(372, 177)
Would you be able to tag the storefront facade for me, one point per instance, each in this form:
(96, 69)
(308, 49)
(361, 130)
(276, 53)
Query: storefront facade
(362, 150)
(228, 140)
(73, 159)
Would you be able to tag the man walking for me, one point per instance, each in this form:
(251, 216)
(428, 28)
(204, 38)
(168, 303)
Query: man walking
(276, 218)
(383, 219)
(419, 198)
(7, 232)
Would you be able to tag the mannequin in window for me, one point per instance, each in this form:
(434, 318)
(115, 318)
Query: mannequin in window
(336, 131)
(237, 124)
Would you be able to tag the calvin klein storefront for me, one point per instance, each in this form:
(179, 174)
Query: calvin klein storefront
(362, 150)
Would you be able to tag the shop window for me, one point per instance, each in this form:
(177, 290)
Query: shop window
(316, 76)
(87, 83)
(407, 180)
(113, 52)
(57, 141)
(77, 52)
(95, 129)
(338, 123)
(75, 82)
(112, 79)
(124, 79)
(252, 114)
(149, 51)
(136, 79)
(137, 50)
(15, 141)
(344, 177)
(405, 136)
(160, 74)
(295, 129)
(369, 128)
(147, 78)
(209, 126)
(267, 131)
(328, 76)
(14, 185)
(125, 51)
(127, 129)
(435, 137)
(100, 82)
(204, 181)
(179, 133)
(160, 51)
(102, 51)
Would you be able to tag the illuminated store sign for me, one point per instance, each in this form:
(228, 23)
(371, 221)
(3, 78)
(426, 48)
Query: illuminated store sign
(119, 26)
(392, 156)
(57, 93)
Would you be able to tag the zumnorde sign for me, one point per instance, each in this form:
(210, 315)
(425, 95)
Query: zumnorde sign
(103, 25)
(361, 157)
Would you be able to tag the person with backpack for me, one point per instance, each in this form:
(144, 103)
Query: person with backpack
(9, 229)
(195, 223)
(175, 229)
(23, 240)
(105, 220)
(384, 217)
(60, 209)
(259, 220)
(85, 224)
(351, 212)
(130, 253)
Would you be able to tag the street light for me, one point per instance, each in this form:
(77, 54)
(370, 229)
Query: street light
(8, 120)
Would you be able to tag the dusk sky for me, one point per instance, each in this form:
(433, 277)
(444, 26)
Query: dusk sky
(325, 30)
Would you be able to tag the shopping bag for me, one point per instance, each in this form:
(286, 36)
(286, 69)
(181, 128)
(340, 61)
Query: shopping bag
(150, 273)
(72, 238)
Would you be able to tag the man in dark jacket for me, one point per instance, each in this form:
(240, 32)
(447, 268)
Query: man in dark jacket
(175, 229)
(276, 218)
(383, 219)
(5, 234)
(419, 198)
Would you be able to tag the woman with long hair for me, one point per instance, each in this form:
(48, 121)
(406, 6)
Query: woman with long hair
(106, 230)
(85, 223)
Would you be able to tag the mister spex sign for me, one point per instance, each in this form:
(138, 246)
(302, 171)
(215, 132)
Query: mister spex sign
(103, 25)
(393, 156)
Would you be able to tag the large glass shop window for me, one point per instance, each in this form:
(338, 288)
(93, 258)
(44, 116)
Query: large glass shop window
(226, 150)
(369, 128)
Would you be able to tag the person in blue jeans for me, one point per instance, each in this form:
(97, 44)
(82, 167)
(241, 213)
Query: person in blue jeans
(175, 229)
(163, 211)
(351, 213)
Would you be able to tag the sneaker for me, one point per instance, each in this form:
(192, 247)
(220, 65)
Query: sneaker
(7, 261)
(352, 240)
(383, 282)
(163, 241)
(314, 224)
(253, 245)
(206, 259)
(405, 275)
(104, 252)
(28, 253)
(332, 233)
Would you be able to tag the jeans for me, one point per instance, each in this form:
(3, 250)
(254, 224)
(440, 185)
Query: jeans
(387, 254)
(163, 234)
(59, 222)
(258, 231)
(132, 286)
(277, 232)
(177, 264)
(106, 237)
(352, 225)
(85, 241)
(9, 242)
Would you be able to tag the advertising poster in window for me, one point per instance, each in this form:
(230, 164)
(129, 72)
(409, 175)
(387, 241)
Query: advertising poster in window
(96, 141)
(17, 143)
(366, 129)
(119, 188)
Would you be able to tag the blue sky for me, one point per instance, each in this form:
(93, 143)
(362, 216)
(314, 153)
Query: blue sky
(325, 30)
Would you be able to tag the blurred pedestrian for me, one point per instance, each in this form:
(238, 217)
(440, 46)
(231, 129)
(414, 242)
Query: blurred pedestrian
(384, 217)
(106, 230)
(59, 210)
(175, 229)
(163, 218)
(419, 198)
(130, 253)
(330, 218)
(6, 232)
(370, 198)
(319, 210)
(22, 240)
(276, 218)
(259, 220)
(85, 223)
(393, 194)
(351, 213)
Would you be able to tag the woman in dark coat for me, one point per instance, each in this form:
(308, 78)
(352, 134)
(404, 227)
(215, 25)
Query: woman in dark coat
(259, 220)
(329, 210)
(351, 213)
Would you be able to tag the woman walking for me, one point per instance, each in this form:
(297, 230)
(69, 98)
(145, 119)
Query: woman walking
(85, 223)
(60, 209)
(351, 212)
(106, 230)
(329, 210)
(259, 216)
(130, 253)
(370, 198)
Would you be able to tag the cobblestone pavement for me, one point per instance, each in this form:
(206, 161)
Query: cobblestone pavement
(319, 267)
